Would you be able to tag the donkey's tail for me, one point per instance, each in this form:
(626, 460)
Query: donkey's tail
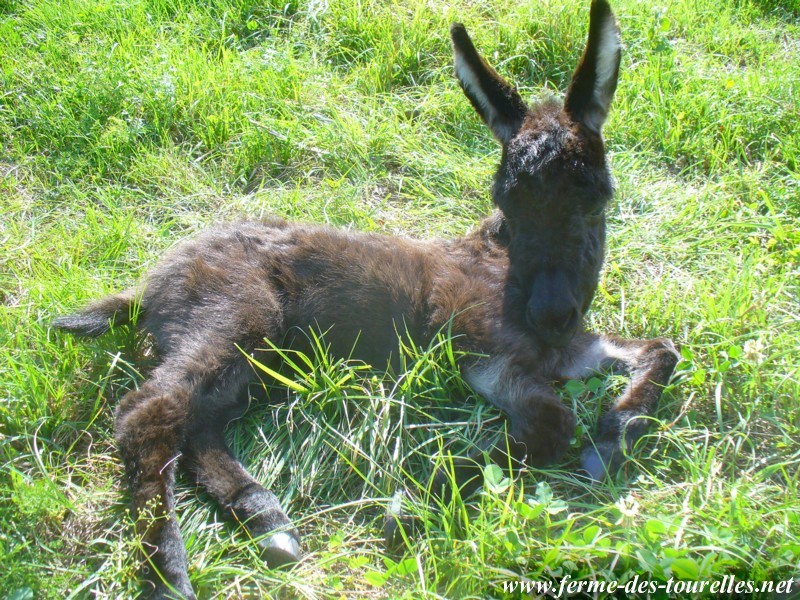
(100, 316)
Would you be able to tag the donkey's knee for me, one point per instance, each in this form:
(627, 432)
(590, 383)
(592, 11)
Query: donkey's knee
(149, 430)
(664, 359)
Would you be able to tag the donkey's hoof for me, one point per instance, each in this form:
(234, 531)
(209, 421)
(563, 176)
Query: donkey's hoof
(601, 460)
(165, 593)
(280, 550)
(162, 591)
(397, 525)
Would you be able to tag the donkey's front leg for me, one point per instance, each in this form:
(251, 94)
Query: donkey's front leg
(650, 364)
(540, 430)
(540, 426)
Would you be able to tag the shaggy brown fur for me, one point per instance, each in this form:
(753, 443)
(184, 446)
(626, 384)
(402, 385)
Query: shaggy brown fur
(514, 292)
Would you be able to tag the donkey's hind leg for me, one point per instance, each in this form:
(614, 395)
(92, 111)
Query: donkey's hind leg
(650, 364)
(226, 480)
(150, 426)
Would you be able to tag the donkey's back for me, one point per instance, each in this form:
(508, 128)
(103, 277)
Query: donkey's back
(247, 282)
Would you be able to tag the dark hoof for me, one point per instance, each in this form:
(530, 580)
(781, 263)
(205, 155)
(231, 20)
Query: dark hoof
(160, 591)
(397, 525)
(600, 461)
(166, 594)
(281, 550)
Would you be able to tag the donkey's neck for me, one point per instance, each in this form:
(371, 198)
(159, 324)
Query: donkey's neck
(490, 238)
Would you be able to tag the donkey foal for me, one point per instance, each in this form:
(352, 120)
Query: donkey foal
(515, 290)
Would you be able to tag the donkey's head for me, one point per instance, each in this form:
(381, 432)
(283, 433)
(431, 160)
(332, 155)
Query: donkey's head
(553, 183)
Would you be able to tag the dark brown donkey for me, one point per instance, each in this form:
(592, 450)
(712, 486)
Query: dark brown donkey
(514, 291)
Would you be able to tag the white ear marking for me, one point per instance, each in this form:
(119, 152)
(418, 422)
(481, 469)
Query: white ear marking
(495, 100)
(606, 66)
(595, 79)
(471, 84)
(606, 63)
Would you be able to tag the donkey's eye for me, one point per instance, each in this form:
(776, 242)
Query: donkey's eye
(597, 212)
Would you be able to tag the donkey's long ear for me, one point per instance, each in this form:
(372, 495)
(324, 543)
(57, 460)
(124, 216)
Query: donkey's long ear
(595, 80)
(492, 96)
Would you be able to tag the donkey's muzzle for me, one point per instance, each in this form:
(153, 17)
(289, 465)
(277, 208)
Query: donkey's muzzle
(552, 312)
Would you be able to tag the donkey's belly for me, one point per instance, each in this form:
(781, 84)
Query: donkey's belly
(362, 293)
(378, 346)
(368, 328)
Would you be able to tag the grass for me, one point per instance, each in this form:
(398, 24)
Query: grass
(127, 124)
